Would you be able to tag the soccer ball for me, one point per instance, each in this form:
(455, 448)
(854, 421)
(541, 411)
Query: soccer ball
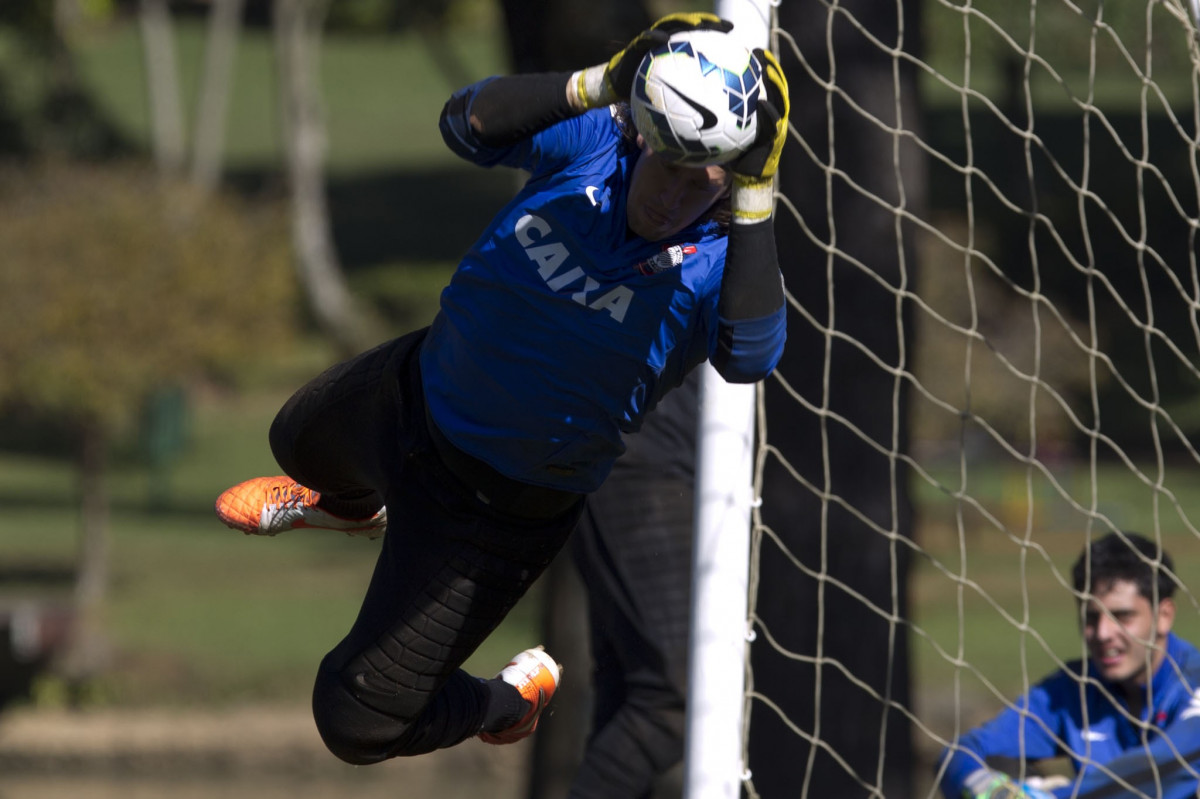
(694, 99)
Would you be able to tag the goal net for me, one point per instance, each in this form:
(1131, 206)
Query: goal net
(988, 215)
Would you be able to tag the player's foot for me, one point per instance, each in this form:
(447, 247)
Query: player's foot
(270, 505)
(536, 676)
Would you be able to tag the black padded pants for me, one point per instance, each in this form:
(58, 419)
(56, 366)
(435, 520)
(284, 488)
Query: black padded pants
(449, 571)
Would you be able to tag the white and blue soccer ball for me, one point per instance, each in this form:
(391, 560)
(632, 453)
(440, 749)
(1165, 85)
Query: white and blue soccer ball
(694, 99)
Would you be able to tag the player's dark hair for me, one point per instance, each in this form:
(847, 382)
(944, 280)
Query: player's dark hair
(1125, 557)
(623, 116)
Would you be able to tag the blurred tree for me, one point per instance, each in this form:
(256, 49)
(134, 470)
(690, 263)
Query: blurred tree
(297, 29)
(162, 86)
(297, 26)
(224, 27)
(165, 90)
(107, 296)
(65, 118)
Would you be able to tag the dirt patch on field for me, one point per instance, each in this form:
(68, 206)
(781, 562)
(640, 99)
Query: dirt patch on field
(260, 752)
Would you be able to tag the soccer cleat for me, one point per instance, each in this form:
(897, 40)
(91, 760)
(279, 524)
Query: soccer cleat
(535, 674)
(270, 505)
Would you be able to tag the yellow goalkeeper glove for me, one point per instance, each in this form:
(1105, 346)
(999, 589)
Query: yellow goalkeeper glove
(754, 170)
(605, 84)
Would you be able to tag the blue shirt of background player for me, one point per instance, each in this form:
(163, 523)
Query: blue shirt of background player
(1107, 749)
(558, 307)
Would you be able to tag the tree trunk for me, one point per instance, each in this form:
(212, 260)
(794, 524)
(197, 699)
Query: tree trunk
(87, 653)
(807, 615)
(297, 43)
(92, 584)
(66, 16)
(224, 25)
(162, 76)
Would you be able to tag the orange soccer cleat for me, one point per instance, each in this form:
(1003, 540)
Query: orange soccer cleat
(270, 505)
(535, 674)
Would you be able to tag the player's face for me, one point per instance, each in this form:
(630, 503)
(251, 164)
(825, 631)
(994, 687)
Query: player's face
(1126, 642)
(664, 198)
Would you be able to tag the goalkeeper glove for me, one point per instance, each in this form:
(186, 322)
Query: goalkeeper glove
(754, 170)
(1030, 790)
(605, 84)
(997, 785)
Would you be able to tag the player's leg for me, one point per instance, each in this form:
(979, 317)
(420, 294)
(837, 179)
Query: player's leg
(339, 433)
(633, 549)
(337, 440)
(449, 571)
(442, 584)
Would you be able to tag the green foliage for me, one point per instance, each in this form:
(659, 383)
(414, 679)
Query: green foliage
(32, 20)
(116, 284)
(1074, 49)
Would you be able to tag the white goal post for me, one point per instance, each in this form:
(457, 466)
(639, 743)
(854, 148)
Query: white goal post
(714, 755)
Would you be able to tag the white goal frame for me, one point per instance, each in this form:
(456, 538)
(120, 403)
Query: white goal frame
(714, 757)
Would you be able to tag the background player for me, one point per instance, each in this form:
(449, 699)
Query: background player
(1134, 729)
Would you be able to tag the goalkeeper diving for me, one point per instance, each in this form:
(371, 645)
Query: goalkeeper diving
(469, 446)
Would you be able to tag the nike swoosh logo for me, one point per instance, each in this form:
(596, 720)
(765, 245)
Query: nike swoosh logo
(707, 118)
(1193, 708)
(590, 191)
(1092, 735)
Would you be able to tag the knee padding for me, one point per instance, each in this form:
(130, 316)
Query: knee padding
(350, 729)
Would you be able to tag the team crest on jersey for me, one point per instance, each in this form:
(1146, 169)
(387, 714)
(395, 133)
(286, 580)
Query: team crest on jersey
(670, 257)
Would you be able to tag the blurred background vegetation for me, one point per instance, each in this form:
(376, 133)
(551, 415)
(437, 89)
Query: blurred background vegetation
(151, 326)
(153, 319)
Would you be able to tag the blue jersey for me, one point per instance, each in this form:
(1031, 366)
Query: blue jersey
(1113, 755)
(560, 329)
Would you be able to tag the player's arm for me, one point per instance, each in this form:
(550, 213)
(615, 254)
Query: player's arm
(1028, 731)
(1169, 767)
(499, 112)
(751, 312)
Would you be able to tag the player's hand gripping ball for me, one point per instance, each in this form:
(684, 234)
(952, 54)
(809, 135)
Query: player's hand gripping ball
(621, 68)
(695, 98)
(759, 163)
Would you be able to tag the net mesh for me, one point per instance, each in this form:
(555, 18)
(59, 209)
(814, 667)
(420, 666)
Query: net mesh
(1033, 188)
